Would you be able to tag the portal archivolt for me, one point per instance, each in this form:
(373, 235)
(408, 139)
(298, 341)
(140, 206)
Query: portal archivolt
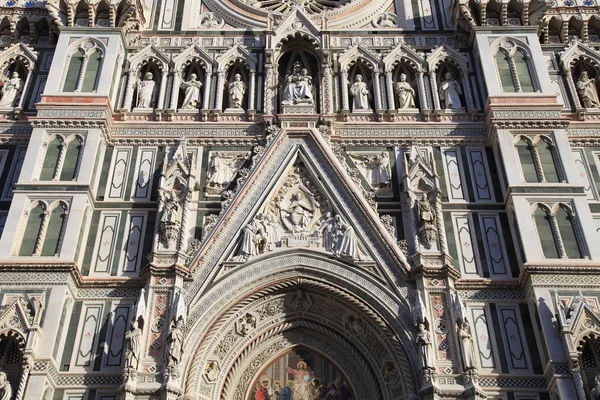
(295, 311)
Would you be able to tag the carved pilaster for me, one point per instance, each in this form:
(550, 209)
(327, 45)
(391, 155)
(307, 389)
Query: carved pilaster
(434, 91)
(573, 88)
(163, 90)
(207, 90)
(25, 89)
(219, 94)
(345, 105)
(175, 89)
(377, 91)
(128, 99)
(422, 93)
(390, 89)
(252, 91)
(268, 90)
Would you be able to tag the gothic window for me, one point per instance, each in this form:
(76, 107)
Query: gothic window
(539, 160)
(62, 159)
(575, 28)
(53, 150)
(91, 75)
(74, 66)
(514, 68)
(514, 12)
(558, 232)
(72, 156)
(84, 65)
(44, 229)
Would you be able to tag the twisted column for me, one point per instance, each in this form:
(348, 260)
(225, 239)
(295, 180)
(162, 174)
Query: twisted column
(252, 91)
(128, 99)
(81, 75)
(163, 89)
(220, 83)
(206, 99)
(268, 90)
(434, 90)
(377, 91)
(27, 367)
(60, 161)
(328, 80)
(345, 106)
(422, 92)
(175, 89)
(37, 249)
(25, 89)
(390, 90)
(573, 88)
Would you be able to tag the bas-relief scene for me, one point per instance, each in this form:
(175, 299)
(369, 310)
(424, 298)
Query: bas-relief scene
(301, 375)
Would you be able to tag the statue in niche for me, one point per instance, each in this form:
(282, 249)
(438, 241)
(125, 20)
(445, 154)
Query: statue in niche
(175, 343)
(377, 168)
(133, 346)
(221, 169)
(450, 92)
(427, 221)
(10, 90)
(192, 92)
(297, 87)
(237, 90)
(596, 390)
(146, 91)
(586, 88)
(406, 94)
(212, 372)
(5, 387)
(345, 239)
(361, 94)
(425, 347)
(466, 340)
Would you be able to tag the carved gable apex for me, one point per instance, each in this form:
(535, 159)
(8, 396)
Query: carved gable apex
(16, 316)
(179, 161)
(577, 50)
(234, 54)
(297, 22)
(194, 53)
(445, 52)
(357, 52)
(19, 51)
(149, 52)
(298, 198)
(406, 53)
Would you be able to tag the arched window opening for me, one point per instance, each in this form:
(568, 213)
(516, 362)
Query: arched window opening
(82, 14)
(122, 13)
(11, 357)
(568, 235)
(504, 72)
(102, 14)
(524, 72)
(54, 231)
(514, 12)
(71, 163)
(73, 71)
(555, 31)
(24, 31)
(53, 151)
(5, 30)
(527, 158)
(594, 29)
(43, 31)
(546, 233)
(575, 28)
(92, 72)
(546, 151)
(492, 13)
(475, 9)
(29, 244)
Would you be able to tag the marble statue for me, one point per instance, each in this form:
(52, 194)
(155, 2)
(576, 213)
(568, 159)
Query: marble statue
(450, 92)
(595, 392)
(360, 92)
(327, 228)
(247, 246)
(237, 90)
(221, 169)
(11, 90)
(466, 340)
(300, 301)
(175, 343)
(192, 92)
(406, 94)
(345, 240)
(212, 372)
(133, 346)
(425, 347)
(386, 21)
(377, 168)
(5, 387)
(298, 87)
(427, 221)
(209, 20)
(146, 91)
(588, 93)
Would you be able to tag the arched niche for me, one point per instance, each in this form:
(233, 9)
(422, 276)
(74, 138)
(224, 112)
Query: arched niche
(367, 74)
(594, 29)
(237, 60)
(493, 13)
(192, 59)
(302, 52)
(82, 14)
(554, 30)
(6, 30)
(192, 67)
(19, 59)
(103, 15)
(514, 13)
(576, 59)
(575, 29)
(12, 344)
(445, 59)
(151, 58)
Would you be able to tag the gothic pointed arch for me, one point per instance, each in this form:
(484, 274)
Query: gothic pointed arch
(194, 53)
(359, 53)
(236, 54)
(447, 53)
(21, 53)
(578, 51)
(401, 53)
(146, 54)
(296, 24)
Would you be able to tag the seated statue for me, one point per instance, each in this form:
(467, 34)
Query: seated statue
(297, 87)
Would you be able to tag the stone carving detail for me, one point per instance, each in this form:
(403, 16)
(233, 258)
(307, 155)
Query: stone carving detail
(210, 20)
(222, 167)
(588, 93)
(405, 93)
(464, 335)
(11, 91)
(133, 346)
(146, 94)
(237, 90)
(450, 92)
(245, 324)
(298, 215)
(175, 343)
(177, 184)
(5, 387)
(297, 87)
(360, 94)
(212, 371)
(375, 167)
(300, 301)
(386, 20)
(192, 87)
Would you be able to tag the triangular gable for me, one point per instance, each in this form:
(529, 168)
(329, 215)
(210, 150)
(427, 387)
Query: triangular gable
(296, 22)
(445, 52)
(16, 316)
(577, 50)
(328, 177)
(194, 53)
(234, 54)
(149, 52)
(404, 52)
(356, 53)
(19, 51)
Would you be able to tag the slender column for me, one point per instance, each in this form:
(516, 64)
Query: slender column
(559, 242)
(389, 83)
(328, 80)
(25, 89)
(78, 163)
(184, 218)
(573, 88)
(345, 106)
(41, 234)
(576, 372)
(538, 163)
(377, 91)
(61, 234)
(219, 94)
(82, 73)
(268, 90)
(128, 99)
(515, 74)
(60, 161)
(27, 366)
(207, 90)
(252, 91)
(468, 91)
(175, 89)
(422, 92)
(434, 90)
(163, 89)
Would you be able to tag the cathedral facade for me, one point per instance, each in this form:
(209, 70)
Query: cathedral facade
(299, 199)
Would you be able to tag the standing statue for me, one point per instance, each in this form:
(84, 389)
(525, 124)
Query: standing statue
(377, 168)
(133, 346)
(361, 94)
(297, 86)
(237, 90)
(427, 221)
(175, 343)
(425, 347)
(221, 169)
(406, 94)
(595, 392)
(450, 92)
(146, 91)
(11, 90)
(192, 92)
(586, 88)
(466, 340)
(5, 387)
(346, 244)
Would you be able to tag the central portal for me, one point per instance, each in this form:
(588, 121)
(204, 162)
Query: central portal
(301, 374)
